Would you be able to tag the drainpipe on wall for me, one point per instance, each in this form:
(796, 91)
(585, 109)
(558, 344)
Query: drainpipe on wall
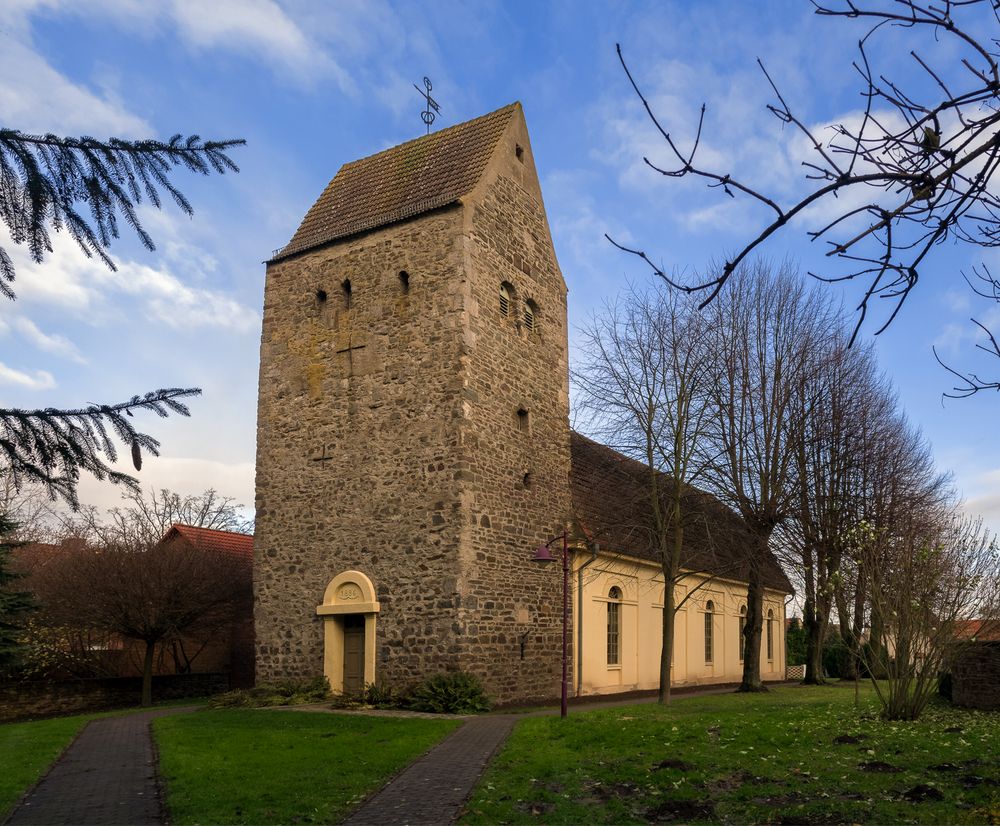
(594, 549)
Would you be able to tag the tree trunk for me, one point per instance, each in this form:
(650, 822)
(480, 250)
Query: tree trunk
(147, 674)
(847, 635)
(754, 628)
(666, 650)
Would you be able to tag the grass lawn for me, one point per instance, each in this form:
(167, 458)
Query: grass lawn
(261, 766)
(793, 755)
(28, 749)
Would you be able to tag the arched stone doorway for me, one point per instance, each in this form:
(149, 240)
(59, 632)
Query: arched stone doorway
(349, 610)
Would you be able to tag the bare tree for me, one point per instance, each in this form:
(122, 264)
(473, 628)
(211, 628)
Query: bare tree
(932, 571)
(764, 329)
(145, 517)
(644, 382)
(154, 594)
(917, 168)
(839, 402)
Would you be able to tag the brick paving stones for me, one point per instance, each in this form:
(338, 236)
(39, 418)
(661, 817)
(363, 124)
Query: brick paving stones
(434, 788)
(106, 776)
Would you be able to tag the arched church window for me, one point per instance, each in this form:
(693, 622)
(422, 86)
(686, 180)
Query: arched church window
(709, 612)
(506, 298)
(770, 635)
(614, 625)
(530, 315)
(743, 625)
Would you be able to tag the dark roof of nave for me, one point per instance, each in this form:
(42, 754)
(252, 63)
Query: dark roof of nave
(406, 180)
(611, 504)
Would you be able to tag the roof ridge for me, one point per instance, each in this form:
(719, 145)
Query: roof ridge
(180, 525)
(439, 132)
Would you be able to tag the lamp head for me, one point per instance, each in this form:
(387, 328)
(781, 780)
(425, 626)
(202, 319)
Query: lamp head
(543, 555)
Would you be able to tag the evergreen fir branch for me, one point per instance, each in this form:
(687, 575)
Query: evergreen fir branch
(46, 179)
(53, 446)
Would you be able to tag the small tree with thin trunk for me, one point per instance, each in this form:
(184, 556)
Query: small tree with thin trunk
(644, 382)
(932, 572)
(153, 594)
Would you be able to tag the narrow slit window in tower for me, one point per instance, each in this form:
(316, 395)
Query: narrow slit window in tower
(530, 315)
(523, 421)
(504, 299)
(346, 287)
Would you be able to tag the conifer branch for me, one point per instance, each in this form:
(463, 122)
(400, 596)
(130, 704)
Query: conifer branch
(86, 186)
(52, 446)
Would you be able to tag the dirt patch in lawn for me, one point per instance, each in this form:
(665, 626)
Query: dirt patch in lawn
(668, 811)
(879, 767)
(679, 765)
(922, 792)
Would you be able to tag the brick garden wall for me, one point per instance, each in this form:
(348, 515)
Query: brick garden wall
(29, 700)
(975, 676)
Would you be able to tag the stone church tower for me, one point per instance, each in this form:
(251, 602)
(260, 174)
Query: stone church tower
(413, 426)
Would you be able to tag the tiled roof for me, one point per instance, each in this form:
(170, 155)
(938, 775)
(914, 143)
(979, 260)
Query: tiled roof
(611, 504)
(980, 629)
(414, 177)
(239, 545)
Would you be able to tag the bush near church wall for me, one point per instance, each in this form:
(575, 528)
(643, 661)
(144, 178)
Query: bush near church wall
(28, 700)
(975, 675)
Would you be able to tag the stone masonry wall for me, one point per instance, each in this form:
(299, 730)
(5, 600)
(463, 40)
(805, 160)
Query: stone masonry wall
(519, 495)
(975, 676)
(358, 461)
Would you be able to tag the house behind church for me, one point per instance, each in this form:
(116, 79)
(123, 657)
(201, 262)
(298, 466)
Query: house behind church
(414, 449)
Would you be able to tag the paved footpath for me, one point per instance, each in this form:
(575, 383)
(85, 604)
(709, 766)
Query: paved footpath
(107, 776)
(434, 789)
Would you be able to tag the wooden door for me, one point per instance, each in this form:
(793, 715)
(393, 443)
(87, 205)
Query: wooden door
(354, 653)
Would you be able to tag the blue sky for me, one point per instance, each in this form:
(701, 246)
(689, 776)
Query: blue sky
(312, 85)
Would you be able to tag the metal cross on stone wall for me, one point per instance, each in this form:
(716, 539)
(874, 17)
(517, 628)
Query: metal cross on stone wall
(433, 109)
(349, 352)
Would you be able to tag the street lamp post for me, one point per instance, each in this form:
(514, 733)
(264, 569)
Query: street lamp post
(544, 555)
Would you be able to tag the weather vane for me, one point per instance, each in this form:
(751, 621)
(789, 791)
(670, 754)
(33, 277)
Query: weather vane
(432, 110)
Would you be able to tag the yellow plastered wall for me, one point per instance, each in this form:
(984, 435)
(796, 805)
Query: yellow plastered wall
(640, 628)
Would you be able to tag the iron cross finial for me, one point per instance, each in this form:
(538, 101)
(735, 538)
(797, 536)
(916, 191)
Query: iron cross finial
(433, 109)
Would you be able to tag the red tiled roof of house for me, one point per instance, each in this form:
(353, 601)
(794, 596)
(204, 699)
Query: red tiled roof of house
(611, 505)
(238, 545)
(984, 630)
(415, 177)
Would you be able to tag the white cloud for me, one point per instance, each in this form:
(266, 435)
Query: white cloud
(184, 475)
(259, 27)
(39, 380)
(87, 288)
(34, 97)
(50, 343)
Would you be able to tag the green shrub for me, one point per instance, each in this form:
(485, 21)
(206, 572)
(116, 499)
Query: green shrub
(282, 693)
(380, 695)
(452, 693)
(373, 695)
(796, 639)
(836, 657)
